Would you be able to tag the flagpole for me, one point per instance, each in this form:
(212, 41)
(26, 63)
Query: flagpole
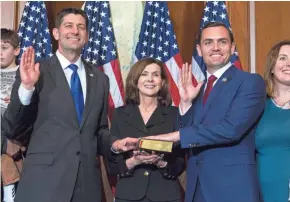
(252, 38)
(16, 14)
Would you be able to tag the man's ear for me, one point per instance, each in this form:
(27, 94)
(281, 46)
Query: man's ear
(198, 50)
(55, 33)
(233, 48)
(16, 51)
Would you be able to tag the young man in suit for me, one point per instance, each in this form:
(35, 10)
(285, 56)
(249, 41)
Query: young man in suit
(63, 100)
(217, 127)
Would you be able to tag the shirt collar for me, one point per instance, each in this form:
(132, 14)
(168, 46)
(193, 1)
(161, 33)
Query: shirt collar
(220, 71)
(65, 62)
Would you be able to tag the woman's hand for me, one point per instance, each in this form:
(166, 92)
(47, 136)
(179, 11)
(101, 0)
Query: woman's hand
(141, 158)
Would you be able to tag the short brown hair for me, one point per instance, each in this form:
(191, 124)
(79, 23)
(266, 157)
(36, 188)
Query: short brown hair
(215, 24)
(132, 91)
(270, 64)
(66, 11)
(10, 36)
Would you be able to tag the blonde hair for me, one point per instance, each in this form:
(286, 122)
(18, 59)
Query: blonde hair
(270, 64)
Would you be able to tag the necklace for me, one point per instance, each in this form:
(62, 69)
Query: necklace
(148, 110)
(146, 113)
(286, 105)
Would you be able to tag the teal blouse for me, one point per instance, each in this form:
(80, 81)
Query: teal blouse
(273, 153)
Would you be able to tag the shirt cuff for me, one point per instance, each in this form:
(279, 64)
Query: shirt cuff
(25, 95)
(181, 112)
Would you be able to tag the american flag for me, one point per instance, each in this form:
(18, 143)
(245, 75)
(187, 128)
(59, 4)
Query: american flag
(101, 49)
(157, 40)
(33, 30)
(213, 11)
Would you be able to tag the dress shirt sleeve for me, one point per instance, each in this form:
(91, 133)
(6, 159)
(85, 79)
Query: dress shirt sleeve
(181, 112)
(25, 95)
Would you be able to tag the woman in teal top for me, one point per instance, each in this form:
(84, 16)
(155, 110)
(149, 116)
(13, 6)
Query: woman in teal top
(273, 131)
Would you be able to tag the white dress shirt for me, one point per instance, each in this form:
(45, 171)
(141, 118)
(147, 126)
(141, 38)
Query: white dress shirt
(217, 74)
(25, 95)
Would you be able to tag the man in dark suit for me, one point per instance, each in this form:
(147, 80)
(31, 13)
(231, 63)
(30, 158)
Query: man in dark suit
(218, 126)
(63, 100)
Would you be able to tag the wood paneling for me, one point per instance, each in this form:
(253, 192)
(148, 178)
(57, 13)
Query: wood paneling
(238, 12)
(185, 17)
(53, 8)
(272, 25)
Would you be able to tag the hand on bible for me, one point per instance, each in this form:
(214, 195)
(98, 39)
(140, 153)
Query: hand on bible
(172, 137)
(125, 144)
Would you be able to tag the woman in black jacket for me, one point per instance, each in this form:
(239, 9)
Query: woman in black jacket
(148, 111)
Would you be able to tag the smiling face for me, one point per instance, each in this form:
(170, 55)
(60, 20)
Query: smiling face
(215, 47)
(150, 81)
(281, 70)
(72, 33)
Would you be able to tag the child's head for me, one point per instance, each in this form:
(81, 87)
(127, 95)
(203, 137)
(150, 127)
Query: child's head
(9, 48)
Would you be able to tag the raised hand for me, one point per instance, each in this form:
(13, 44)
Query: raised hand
(29, 71)
(187, 91)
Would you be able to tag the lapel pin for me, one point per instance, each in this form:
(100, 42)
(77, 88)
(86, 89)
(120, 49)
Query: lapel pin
(91, 75)
(226, 79)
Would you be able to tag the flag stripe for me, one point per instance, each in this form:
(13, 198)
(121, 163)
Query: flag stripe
(114, 85)
(173, 89)
(101, 49)
(196, 71)
(157, 40)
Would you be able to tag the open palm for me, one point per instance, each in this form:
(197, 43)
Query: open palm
(29, 71)
(187, 90)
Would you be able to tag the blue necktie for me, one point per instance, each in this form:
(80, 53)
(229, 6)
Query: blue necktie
(77, 92)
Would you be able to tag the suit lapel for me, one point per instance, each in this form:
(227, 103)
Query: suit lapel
(198, 107)
(219, 87)
(62, 85)
(91, 81)
(157, 117)
(134, 118)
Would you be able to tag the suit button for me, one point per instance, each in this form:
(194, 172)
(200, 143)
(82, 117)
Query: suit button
(146, 173)
(197, 161)
(78, 153)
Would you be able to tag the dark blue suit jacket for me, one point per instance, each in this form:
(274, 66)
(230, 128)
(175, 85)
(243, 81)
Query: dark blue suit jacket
(220, 138)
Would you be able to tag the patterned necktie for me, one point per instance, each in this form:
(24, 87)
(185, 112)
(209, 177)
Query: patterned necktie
(209, 86)
(77, 92)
